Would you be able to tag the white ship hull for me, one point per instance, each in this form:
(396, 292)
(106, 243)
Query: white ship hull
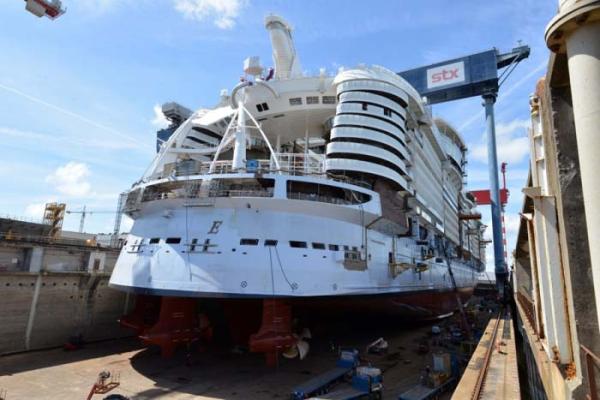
(334, 193)
(243, 248)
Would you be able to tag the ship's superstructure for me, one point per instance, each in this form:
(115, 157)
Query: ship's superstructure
(313, 190)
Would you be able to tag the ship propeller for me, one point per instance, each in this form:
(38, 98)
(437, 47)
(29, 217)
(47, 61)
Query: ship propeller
(301, 347)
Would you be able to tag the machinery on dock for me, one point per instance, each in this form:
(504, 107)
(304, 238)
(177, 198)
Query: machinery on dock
(327, 193)
(435, 381)
(365, 382)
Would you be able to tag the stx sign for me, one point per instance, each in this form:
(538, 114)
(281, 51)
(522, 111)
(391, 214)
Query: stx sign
(448, 74)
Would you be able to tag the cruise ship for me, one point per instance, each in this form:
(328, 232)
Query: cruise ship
(335, 192)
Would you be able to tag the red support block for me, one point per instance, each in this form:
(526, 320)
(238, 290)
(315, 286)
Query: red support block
(275, 333)
(144, 313)
(177, 324)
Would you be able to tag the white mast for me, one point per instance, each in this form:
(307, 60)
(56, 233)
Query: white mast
(239, 147)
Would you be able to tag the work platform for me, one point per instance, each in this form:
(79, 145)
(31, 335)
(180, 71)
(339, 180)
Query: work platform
(492, 372)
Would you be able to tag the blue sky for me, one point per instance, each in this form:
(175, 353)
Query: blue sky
(77, 94)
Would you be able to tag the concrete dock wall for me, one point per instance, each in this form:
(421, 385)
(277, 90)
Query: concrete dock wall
(41, 310)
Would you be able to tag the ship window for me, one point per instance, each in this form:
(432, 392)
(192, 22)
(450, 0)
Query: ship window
(318, 246)
(193, 246)
(242, 187)
(265, 106)
(296, 101)
(270, 242)
(173, 240)
(387, 112)
(154, 240)
(346, 248)
(365, 107)
(328, 99)
(298, 245)
(259, 107)
(301, 190)
(249, 242)
(312, 99)
(334, 247)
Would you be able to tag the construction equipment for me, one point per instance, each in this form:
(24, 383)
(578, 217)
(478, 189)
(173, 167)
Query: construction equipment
(85, 212)
(344, 366)
(54, 215)
(45, 8)
(475, 75)
(484, 198)
(106, 382)
(366, 382)
(435, 381)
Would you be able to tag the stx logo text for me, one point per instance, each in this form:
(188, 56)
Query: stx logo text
(448, 74)
(445, 75)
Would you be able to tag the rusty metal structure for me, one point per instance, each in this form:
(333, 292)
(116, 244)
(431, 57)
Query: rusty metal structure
(54, 215)
(556, 278)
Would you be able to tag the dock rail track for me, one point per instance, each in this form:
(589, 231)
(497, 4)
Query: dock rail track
(481, 377)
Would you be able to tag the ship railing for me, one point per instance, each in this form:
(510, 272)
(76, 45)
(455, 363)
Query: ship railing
(16, 237)
(24, 219)
(240, 193)
(528, 309)
(287, 163)
(319, 198)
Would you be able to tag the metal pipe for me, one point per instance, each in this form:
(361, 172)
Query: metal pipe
(575, 30)
(583, 51)
(499, 261)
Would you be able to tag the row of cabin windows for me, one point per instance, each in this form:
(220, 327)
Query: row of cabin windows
(268, 242)
(297, 101)
(386, 111)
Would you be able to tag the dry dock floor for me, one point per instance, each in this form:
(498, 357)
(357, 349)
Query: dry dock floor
(213, 374)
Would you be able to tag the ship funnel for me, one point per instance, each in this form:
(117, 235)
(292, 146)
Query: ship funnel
(285, 58)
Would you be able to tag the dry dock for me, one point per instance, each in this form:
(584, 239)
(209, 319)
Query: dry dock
(213, 374)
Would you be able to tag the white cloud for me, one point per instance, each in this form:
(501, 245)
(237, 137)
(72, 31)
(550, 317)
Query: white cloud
(71, 179)
(159, 120)
(223, 12)
(512, 142)
(35, 211)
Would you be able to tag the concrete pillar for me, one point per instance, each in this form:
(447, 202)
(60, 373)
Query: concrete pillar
(583, 50)
(32, 311)
(576, 32)
(36, 259)
(96, 261)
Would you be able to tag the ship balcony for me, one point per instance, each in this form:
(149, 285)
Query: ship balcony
(280, 163)
(204, 190)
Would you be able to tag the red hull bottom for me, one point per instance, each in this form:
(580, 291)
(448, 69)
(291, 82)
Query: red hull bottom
(178, 320)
